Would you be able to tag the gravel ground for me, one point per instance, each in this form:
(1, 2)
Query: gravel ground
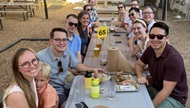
(39, 27)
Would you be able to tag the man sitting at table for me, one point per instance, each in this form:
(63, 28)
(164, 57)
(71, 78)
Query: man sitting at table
(60, 58)
(74, 41)
(148, 16)
(127, 22)
(166, 66)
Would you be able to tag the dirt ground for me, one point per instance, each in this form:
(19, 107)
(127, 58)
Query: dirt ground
(39, 27)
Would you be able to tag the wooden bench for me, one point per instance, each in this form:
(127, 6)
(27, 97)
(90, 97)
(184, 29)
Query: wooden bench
(24, 12)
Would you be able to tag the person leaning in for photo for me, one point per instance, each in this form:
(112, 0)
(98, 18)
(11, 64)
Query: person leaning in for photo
(74, 41)
(82, 28)
(94, 16)
(140, 36)
(47, 95)
(133, 15)
(60, 58)
(148, 16)
(22, 93)
(166, 66)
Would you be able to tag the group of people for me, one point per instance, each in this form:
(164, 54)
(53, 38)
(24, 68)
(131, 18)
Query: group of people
(149, 40)
(41, 79)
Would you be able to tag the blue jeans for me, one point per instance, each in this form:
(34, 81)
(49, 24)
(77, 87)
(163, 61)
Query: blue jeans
(62, 99)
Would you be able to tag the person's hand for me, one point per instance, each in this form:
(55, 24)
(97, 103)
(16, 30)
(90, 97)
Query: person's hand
(142, 80)
(96, 24)
(98, 70)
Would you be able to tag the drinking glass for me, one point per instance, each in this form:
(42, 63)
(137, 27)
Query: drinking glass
(96, 52)
(111, 89)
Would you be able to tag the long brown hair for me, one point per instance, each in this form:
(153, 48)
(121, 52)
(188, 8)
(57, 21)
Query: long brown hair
(79, 27)
(22, 82)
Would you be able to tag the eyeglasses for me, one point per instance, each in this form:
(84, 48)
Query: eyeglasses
(89, 9)
(132, 14)
(120, 7)
(134, 4)
(71, 24)
(60, 40)
(35, 61)
(147, 13)
(159, 36)
(59, 64)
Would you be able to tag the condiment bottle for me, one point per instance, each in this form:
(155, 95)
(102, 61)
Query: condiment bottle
(95, 90)
(88, 80)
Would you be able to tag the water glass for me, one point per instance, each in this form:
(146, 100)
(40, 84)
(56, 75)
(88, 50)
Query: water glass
(111, 89)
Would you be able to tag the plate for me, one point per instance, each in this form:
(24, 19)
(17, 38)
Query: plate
(126, 88)
(126, 83)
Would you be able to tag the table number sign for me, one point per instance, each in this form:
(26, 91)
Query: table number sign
(102, 32)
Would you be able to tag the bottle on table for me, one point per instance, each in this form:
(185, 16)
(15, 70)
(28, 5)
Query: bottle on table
(95, 90)
(88, 80)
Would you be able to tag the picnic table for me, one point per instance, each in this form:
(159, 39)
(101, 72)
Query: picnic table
(131, 99)
(22, 7)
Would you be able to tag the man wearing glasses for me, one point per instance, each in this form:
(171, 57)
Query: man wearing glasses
(60, 58)
(166, 66)
(148, 16)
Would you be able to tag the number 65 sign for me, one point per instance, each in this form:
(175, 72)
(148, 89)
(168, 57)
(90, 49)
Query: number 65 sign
(102, 32)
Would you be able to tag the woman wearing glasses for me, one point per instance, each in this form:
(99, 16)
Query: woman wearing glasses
(84, 20)
(21, 93)
(122, 13)
(140, 36)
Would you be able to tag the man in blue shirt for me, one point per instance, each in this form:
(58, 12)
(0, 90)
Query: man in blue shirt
(60, 58)
(74, 41)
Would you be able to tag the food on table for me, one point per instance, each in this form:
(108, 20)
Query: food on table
(103, 77)
(125, 79)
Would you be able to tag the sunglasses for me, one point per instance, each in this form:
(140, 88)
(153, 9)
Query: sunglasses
(120, 7)
(159, 36)
(59, 64)
(132, 14)
(71, 24)
(89, 9)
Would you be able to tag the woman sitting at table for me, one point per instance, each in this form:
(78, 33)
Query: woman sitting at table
(89, 9)
(94, 15)
(84, 19)
(21, 92)
(140, 36)
(123, 16)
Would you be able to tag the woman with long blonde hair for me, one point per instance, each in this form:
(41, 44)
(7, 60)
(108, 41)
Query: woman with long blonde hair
(21, 93)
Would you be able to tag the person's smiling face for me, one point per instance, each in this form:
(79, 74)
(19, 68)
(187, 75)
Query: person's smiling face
(156, 43)
(133, 15)
(28, 58)
(85, 20)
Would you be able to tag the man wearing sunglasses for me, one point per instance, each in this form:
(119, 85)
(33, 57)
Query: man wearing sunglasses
(60, 58)
(166, 66)
(74, 41)
(133, 4)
